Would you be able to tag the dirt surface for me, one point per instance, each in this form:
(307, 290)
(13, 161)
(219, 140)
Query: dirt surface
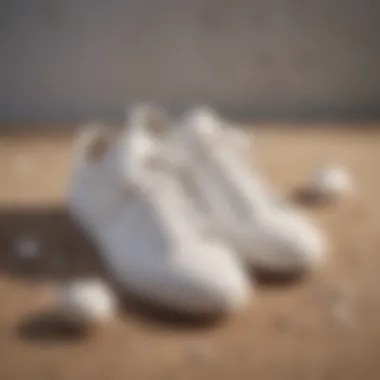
(322, 327)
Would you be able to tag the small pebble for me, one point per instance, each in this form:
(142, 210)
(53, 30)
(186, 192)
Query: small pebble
(342, 314)
(332, 181)
(87, 301)
(282, 322)
(340, 309)
(27, 247)
(200, 354)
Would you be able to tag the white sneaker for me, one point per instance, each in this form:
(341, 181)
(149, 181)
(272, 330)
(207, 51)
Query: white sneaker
(125, 196)
(267, 234)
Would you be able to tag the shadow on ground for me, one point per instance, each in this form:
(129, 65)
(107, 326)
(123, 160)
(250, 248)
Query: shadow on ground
(63, 251)
(51, 327)
(66, 253)
(306, 197)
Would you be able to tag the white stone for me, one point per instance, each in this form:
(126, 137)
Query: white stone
(332, 181)
(87, 301)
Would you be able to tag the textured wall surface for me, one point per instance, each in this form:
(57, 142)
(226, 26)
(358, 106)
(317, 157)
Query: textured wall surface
(70, 60)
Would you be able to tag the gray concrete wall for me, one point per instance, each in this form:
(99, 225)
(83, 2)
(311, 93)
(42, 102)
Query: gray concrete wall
(70, 60)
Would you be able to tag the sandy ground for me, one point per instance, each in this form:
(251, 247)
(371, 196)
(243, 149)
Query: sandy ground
(322, 327)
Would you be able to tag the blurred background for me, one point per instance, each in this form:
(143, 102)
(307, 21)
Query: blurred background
(65, 61)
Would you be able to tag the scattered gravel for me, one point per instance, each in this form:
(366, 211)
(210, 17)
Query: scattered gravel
(27, 247)
(341, 310)
(342, 313)
(200, 354)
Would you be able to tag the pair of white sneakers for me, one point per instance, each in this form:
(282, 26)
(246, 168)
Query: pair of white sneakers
(178, 214)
